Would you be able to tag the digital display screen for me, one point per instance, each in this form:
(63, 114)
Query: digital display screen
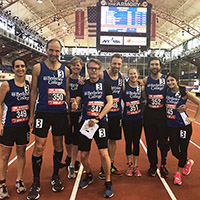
(123, 19)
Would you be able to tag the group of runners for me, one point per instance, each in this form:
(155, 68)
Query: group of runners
(98, 107)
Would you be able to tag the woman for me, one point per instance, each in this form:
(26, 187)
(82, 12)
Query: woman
(132, 120)
(180, 127)
(14, 96)
(71, 140)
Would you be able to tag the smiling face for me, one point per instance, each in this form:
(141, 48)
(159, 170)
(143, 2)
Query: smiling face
(19, 68)
(172, 82)
(155, 67)
(93, 71)
(116, 64)
(133, 75)
(53, 51)
(76, 68)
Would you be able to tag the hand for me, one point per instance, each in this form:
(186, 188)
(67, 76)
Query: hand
(74, 104)
(1, 129)
(92, 122)
(31, 122)
(182, 108)
(81, 81)
(190, 119)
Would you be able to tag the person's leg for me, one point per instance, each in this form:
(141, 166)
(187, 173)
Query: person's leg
(112, 149)
(58, 153)
(5, 152)
(127, 128)
(21, 160)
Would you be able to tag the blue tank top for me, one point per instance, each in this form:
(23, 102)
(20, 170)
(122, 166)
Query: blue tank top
(117, 88)
(132, 102)
(52, 90)
(174, 118)
(16, 105)
(73, 86)
(155, 92)
(94, 99)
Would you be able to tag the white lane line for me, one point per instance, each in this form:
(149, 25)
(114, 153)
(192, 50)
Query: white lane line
(76, 185)
(195, 144)
(15, 158)
(171, 194)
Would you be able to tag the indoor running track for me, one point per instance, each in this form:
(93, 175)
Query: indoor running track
(142, 188)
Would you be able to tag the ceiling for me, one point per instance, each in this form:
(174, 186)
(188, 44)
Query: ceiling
(177, 20)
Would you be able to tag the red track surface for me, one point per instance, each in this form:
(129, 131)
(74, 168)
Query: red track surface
(125, 188)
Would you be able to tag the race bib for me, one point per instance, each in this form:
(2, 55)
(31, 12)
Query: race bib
(156, 101)
(115, 107)
(20, 113)
(133, 107)
(171, 111)
(56, 96)
(94, 108)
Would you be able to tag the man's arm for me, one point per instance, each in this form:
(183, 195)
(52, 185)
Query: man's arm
(33, 95)
(67, 73)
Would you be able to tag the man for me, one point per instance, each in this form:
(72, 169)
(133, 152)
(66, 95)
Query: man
(115, 78)
(50, 81)
(97, 100)
(155, 124)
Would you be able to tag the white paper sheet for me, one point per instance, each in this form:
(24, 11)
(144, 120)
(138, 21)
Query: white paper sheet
(88, 131)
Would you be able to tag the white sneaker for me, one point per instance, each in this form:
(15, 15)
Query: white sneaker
(71, 172)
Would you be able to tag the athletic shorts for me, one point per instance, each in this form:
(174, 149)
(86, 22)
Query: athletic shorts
(19, 135)
(57, 121)
(100, 137)
(115, 127)
(71, 137)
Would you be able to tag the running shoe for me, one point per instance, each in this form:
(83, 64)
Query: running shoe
(129, 171)
(115, 171)
(164, 172)
(86, 181)
(177, 179)
(136, 171)
(188, 167)
(3, 192)
(71, 172)
(34, 191)
(56, 184)
(151, 172)
(20, 187)
(102, 174)
(108, 193)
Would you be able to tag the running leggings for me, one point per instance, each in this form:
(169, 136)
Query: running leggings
(179, 141)
(132, 132)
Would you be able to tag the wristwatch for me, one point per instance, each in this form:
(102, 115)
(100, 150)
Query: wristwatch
(97, 118)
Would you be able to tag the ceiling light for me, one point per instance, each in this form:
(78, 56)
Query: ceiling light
(39, 1)
(56, 20)
(3, 46)
(64, 27)
(171, 30)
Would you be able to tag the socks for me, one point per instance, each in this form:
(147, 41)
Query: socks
(36, 165)
(57, 157)
(164, 157)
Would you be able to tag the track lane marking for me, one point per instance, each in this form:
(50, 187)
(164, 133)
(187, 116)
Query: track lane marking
(171, 194)
(15, 158)
(76, 184)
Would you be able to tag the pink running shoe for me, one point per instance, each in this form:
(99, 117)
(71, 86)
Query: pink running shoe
(129, 171)
(136, 171)
(177, 179)
(187, 167)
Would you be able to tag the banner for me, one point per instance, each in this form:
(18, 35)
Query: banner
(153, 26)
(79, 20)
